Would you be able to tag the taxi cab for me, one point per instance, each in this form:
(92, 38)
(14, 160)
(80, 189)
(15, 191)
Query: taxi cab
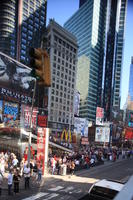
(105, 190)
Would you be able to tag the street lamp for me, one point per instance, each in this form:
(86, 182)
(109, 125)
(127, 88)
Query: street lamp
(30, 132)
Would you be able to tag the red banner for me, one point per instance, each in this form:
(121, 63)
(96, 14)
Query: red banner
(42, 120)
(41, 137)
(129, 133)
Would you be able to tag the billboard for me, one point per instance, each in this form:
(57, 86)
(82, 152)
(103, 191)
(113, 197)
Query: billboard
(76, 103)
(15, 80)
(130, 118)
(129, 133)
(102, 134)
(81, 126)
(26, 115)
(42, 146)
(116, 114)
(10, 114)
(99, 116)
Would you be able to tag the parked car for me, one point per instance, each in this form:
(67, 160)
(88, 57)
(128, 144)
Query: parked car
(104, 190)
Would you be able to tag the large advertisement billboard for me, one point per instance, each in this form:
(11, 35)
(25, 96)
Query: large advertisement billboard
(99, 116)
(102, 134)
(26, 117)
(15, 80)
(130, 118)
(81, 126)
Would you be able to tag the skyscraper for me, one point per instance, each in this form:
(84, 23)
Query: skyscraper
(63, 57)
(113, 55)
(99, 28)
(87, 24)
(20, 20)
(129, 102)
(130, 91)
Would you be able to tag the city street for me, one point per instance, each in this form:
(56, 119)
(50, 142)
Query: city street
(76, 186)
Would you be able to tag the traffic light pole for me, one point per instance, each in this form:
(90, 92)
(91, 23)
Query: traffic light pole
(29, 142)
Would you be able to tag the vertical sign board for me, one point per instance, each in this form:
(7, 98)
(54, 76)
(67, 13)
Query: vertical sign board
(42, 146)
(102, 134)
(99, 116)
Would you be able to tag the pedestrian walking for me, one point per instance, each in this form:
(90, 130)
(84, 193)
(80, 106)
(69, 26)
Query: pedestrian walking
(53, 165)
(16, 179)
(58, 165)
(10, 180)
(39, 170)
(72, 167)
(27, 176)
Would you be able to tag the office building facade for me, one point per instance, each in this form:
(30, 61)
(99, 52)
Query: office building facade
(113, 55)
(63, 58)
(99, 28)
(130, 91)
(129, 102)
(87, 24)
(20, 20)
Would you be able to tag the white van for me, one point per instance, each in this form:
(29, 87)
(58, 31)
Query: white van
(104, 190)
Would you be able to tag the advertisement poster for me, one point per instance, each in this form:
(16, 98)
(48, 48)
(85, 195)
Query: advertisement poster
(129, 133)
(130, 118)
(99, 116)
(81, 126)
(42, 120)
(102, 134)
(76, 103)
(26, 115)
(16, 82)
(10, 114)
(42, 146)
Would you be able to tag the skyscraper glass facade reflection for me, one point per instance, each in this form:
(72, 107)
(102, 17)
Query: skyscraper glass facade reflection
(130, 91)
(99, 28)
(87, 24)
(20, 20)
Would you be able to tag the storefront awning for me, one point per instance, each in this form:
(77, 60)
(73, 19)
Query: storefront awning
(60, 147)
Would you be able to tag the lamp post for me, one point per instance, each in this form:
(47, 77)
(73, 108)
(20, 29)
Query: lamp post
(30, 132)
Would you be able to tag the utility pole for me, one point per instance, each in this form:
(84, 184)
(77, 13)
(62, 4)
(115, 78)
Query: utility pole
(29, 142)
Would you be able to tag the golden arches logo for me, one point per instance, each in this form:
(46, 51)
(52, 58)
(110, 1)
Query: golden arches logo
(67, 135)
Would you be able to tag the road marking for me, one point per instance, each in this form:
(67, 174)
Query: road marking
(67, 189)
(51, 196)
(37, 196)
(56, 188)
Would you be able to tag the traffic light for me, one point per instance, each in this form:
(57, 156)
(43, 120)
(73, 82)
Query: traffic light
(40, 64)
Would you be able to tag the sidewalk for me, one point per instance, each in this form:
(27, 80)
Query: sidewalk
(55, 178)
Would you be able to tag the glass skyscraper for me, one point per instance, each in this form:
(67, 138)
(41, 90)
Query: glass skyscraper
(20, 20)
(130, 91)
(99, 28)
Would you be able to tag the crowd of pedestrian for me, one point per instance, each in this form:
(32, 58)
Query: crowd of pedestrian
(14, 170)
(85, 158)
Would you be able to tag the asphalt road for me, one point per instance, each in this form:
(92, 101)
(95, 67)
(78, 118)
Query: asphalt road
(74, 187)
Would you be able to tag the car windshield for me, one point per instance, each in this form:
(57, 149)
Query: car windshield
(106, 193)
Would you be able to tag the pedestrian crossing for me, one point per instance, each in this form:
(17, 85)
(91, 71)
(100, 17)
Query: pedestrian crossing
(54, 192)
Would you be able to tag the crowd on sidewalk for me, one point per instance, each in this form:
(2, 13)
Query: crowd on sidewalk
(85, 158)
(13, 170)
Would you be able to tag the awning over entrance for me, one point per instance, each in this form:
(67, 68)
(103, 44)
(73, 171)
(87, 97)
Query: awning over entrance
(60, 147)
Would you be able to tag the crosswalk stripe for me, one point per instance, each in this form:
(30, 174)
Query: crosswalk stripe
(51, 196)
(37, 196)
(56, 188)
(67, 189)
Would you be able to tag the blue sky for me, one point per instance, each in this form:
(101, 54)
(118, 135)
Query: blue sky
(62, 10)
